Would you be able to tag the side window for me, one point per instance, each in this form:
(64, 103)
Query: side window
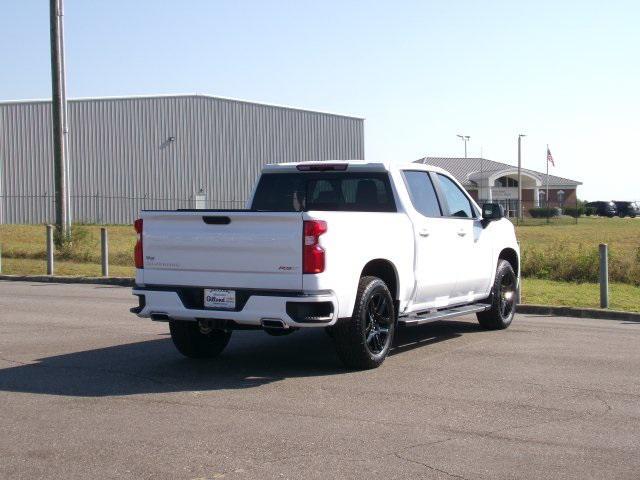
(423, 195)
(459, 205)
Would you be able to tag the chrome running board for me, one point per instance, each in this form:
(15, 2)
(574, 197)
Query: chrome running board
(420, 318)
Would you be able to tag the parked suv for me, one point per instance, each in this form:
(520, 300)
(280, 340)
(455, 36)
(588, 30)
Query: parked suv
(604, 209)
(358, 248)
(631, 209)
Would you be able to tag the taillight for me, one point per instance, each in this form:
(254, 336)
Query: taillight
(137, 252)
(312, 253)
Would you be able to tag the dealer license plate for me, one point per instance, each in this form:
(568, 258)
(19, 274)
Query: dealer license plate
(217, 298)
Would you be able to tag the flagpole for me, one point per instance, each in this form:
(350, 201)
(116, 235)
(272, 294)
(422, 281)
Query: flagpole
(547, 195)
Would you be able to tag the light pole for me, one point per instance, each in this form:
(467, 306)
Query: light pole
(465, 139)
(520, 175)
(59, 121)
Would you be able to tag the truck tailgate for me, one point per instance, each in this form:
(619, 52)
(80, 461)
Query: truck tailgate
(239, 249)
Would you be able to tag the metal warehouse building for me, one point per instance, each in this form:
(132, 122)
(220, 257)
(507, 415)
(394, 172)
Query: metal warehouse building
(157, 152)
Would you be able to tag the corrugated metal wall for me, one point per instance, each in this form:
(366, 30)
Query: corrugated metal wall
(157, 152)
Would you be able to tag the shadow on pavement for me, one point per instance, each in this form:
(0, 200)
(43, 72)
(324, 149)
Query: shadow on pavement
(414, 337)
(154, 366)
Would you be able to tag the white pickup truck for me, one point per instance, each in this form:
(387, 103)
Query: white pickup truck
(354, 247)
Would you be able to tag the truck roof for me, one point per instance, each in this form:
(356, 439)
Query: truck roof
(351, 165)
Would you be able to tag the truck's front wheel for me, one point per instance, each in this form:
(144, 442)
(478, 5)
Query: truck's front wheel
(364, 340)
(503, 299)
(194, 342)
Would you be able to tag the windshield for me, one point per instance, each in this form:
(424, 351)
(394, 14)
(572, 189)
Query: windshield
(328, 191)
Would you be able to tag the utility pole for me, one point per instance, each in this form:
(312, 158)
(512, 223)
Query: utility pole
(480, 192)
(465, 139)
(520, 175)
(58, 113)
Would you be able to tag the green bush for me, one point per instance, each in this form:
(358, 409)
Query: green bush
(544, 212)
(85, 248)
(80, 247)
(574, 212)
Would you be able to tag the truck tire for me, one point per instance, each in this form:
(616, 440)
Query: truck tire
(503, 299)
(364, 340)
(193, 343)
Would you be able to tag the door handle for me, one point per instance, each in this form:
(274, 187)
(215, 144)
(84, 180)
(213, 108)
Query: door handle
(461, 233)
(423, 232)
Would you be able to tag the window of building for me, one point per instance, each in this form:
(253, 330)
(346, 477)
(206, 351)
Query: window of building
(506, 182)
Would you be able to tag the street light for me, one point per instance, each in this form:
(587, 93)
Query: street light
(59, 124)
(520, 175)
(465, 139)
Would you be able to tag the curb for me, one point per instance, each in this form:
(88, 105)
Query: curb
(578, 312)
(121, 281)
(521, 308)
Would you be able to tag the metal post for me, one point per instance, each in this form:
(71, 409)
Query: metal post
(104, 242)
(519, 178)
(65, 116)
(58, 111)
(547, 197)
(519, 217)
(49, 249)
(604, 276)
(481, 194)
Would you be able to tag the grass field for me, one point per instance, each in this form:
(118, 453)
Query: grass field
(559, 261)
(622, 234)
(569, 294)
(28, 242)
(30, 266)
(569, 252)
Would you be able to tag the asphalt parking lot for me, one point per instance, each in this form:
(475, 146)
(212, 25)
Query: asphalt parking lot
(89, 391)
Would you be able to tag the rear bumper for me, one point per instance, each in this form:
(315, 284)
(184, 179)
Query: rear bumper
(294, 309)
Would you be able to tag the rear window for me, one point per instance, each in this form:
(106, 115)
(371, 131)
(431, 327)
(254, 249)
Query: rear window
(327, 191)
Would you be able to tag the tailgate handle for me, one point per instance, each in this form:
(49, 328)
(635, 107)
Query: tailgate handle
(216, 220)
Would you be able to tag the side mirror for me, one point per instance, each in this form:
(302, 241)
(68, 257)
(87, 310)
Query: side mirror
(492, 211)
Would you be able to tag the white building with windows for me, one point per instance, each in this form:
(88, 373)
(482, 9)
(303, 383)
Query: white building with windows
(491, 181)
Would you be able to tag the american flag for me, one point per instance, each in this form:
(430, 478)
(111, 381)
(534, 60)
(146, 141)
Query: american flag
(550, 157)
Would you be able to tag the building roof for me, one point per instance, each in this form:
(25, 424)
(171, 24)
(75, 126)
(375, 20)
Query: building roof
(179, 95)
(463, 168)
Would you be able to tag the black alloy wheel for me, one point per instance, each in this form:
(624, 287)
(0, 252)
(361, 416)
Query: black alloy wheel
(378, 322)
(507, 295)
(364, 340)
(503, 299)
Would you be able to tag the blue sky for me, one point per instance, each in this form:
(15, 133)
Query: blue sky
(564, 72)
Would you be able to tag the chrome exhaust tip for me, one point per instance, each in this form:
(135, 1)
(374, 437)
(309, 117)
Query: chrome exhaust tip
(274, 323)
